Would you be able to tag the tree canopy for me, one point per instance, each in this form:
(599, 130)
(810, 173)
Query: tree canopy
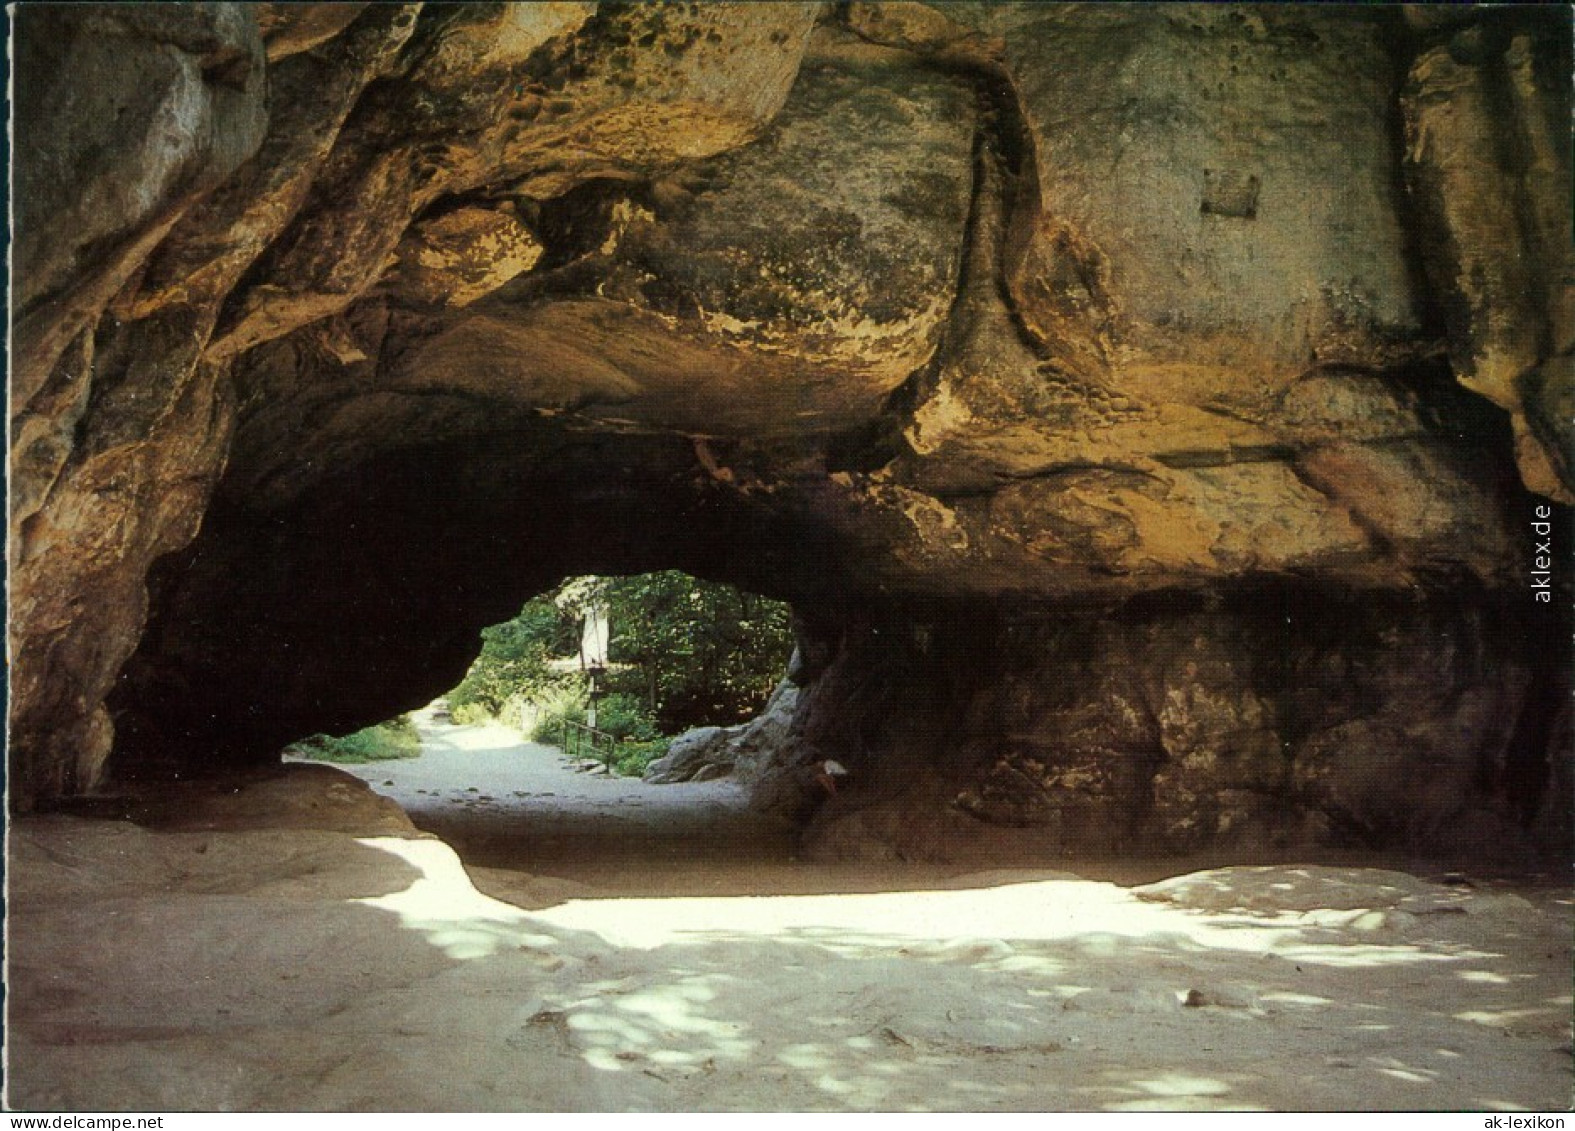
(689, 652)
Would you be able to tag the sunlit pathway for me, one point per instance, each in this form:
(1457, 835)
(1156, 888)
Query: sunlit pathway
(602, 944)
(666, 952)
(503, 802)
(247, 968)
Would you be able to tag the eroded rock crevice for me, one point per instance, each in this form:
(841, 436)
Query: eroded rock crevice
(1047, 358)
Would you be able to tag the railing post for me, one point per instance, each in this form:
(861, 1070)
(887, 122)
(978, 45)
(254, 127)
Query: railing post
(576, 736)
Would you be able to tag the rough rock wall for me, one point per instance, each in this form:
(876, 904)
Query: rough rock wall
(412, 310)
(158, 155)
(1268, 720)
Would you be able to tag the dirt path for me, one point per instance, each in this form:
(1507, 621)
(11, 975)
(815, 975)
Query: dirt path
(506, 803)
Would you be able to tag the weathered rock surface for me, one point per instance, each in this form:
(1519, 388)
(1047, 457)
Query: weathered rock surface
(342, 328)
(1486, 163)
(1271, 723)
(127, 117)
(117, 441)
(701, 749)
(748, 751)
(1248, 225)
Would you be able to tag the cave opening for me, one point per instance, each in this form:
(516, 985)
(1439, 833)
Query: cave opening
(359, 592)
(1264, 716)
(977, 659)
(612, 719)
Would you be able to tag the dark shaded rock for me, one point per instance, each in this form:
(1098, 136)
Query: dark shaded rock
(1487, 166)
(766, 738)
(288, 29)
(1272, 722)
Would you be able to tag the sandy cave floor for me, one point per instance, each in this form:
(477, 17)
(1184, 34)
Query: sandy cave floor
(617, 946)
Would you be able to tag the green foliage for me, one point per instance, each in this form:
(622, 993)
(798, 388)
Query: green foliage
(468, 714)
(639, 741)
(560, 704)
(684, 653)
(396, 738)
(696, 652)
(625, 718)
(634, 757)
(513, 660)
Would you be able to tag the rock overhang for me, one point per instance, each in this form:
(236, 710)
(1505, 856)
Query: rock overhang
(888, 308)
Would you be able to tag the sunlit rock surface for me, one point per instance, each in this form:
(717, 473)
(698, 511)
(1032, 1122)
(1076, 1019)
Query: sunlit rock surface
(1155, 402)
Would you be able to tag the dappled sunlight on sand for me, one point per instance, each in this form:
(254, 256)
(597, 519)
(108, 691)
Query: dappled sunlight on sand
(857, 999)
(970, 925)
(442, 904)
(1240, 989)
(1176, 1091)
(620, 1032)
(984, 997)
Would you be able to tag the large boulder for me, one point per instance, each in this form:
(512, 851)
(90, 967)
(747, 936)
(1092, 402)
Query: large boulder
(747, 751)
(704, 752)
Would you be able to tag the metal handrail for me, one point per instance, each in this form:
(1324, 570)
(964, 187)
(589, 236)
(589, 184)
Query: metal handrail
(577, 737)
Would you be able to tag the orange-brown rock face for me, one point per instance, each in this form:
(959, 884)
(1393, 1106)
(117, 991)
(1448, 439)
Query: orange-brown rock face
(1488, 165)
(341, 328)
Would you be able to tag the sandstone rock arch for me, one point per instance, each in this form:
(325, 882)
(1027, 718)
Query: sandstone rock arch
(1144, 409)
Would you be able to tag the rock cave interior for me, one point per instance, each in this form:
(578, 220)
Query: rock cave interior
(1156, 417)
